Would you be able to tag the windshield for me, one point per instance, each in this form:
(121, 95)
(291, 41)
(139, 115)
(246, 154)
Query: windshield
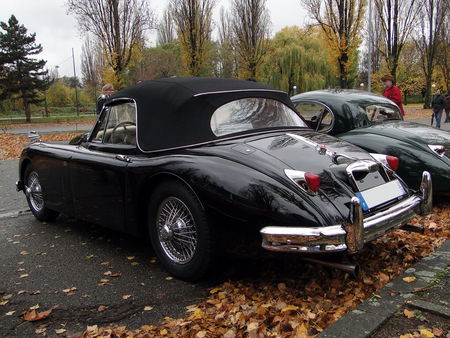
(253, 114)
(377, 112)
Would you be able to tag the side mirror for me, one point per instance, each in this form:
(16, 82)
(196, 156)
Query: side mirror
(77, 140)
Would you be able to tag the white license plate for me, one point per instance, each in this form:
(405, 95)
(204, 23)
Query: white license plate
(381, 194)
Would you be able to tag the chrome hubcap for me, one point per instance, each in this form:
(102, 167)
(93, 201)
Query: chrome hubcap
(33, 191)
(177, 232)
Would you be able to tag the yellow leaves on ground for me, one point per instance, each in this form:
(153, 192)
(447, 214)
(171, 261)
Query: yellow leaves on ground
(126, 296)
(290, 308)
(11, 146)
(70, 290)
(148, 308)
(33, 315)
(409, 279)
(111, 274)
(408, 313)
(300, 300)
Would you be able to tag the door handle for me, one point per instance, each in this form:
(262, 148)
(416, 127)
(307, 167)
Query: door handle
(123, 158)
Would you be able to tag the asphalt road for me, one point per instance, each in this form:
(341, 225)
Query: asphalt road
(10, 199)
(69, 253)
(40, 262)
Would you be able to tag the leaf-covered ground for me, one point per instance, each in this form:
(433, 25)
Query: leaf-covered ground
(417, 114)
(300, 299)
(11, 146)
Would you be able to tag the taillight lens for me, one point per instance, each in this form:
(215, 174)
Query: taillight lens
(307, 181)
(393, 162)
(313, 181)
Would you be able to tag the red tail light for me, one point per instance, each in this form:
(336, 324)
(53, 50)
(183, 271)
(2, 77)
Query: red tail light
(393, 162)
(313, 181)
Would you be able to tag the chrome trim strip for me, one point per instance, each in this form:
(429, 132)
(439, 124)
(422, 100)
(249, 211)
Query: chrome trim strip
(224, 139)
(239, 90)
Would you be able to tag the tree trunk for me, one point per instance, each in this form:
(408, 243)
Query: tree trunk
(427, 103)
(26, 107)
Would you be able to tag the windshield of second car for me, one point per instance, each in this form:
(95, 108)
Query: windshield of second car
(376, 112)
(251, 114)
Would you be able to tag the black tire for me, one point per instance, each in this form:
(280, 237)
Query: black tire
(37, 206)
(195, 221)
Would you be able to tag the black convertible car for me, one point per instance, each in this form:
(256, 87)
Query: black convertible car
(375, 124)
(182, 158)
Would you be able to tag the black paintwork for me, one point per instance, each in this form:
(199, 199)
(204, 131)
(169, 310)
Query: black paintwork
(240, 180)
(407, 140)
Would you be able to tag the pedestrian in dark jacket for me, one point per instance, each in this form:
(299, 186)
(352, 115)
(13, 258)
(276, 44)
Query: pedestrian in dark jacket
(447, 107)
(107, 90)
(392, 92)
(438, 106)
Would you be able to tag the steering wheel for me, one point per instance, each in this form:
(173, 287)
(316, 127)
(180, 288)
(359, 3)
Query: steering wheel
(121, 124)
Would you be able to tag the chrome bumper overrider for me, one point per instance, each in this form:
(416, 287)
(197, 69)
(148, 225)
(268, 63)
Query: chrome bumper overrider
(351, 235)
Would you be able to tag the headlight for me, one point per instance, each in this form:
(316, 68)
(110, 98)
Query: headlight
(437, 149)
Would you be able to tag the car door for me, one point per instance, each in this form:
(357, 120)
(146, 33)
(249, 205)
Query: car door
(318, 116)
(98, 168)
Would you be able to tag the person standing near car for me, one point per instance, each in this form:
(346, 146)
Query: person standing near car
(107, 90)
(437, 104)
(447, 107)
(392, 92)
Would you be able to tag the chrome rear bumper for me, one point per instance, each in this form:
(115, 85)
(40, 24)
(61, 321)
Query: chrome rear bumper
(351, 235)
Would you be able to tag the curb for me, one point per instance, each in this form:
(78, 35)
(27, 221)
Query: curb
(15, 213)
(373, 312)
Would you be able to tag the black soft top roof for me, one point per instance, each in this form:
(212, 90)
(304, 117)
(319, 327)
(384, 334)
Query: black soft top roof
(176, 112)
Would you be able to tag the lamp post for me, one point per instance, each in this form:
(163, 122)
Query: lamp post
(295, 89)
(369, 66)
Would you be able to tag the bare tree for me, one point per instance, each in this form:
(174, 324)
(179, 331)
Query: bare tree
(397, 19)
(226, 55)
(443, 55)
(193, 19)
(165, 28)
(431, 21)
(119, 24)
(341, 22)
(251, 28)
(91, 64)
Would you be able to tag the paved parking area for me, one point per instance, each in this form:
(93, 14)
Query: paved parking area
(86, 274)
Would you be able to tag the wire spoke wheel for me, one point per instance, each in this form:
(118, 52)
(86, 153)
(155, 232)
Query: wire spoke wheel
(177, 231)
(33, 191)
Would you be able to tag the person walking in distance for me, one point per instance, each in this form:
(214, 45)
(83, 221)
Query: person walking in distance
(107, 90)
(392, 92)
(437, 104)
(447, 107)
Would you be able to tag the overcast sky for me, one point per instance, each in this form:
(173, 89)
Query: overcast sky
(58, 32)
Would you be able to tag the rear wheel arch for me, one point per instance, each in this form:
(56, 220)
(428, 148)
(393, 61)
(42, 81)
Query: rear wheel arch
(149, 185)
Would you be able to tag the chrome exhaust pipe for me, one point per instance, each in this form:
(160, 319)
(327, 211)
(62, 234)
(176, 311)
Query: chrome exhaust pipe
(347, 267)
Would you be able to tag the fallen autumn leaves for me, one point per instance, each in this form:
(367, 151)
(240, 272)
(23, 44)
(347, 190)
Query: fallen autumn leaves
(304, 302)
(11, 146)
